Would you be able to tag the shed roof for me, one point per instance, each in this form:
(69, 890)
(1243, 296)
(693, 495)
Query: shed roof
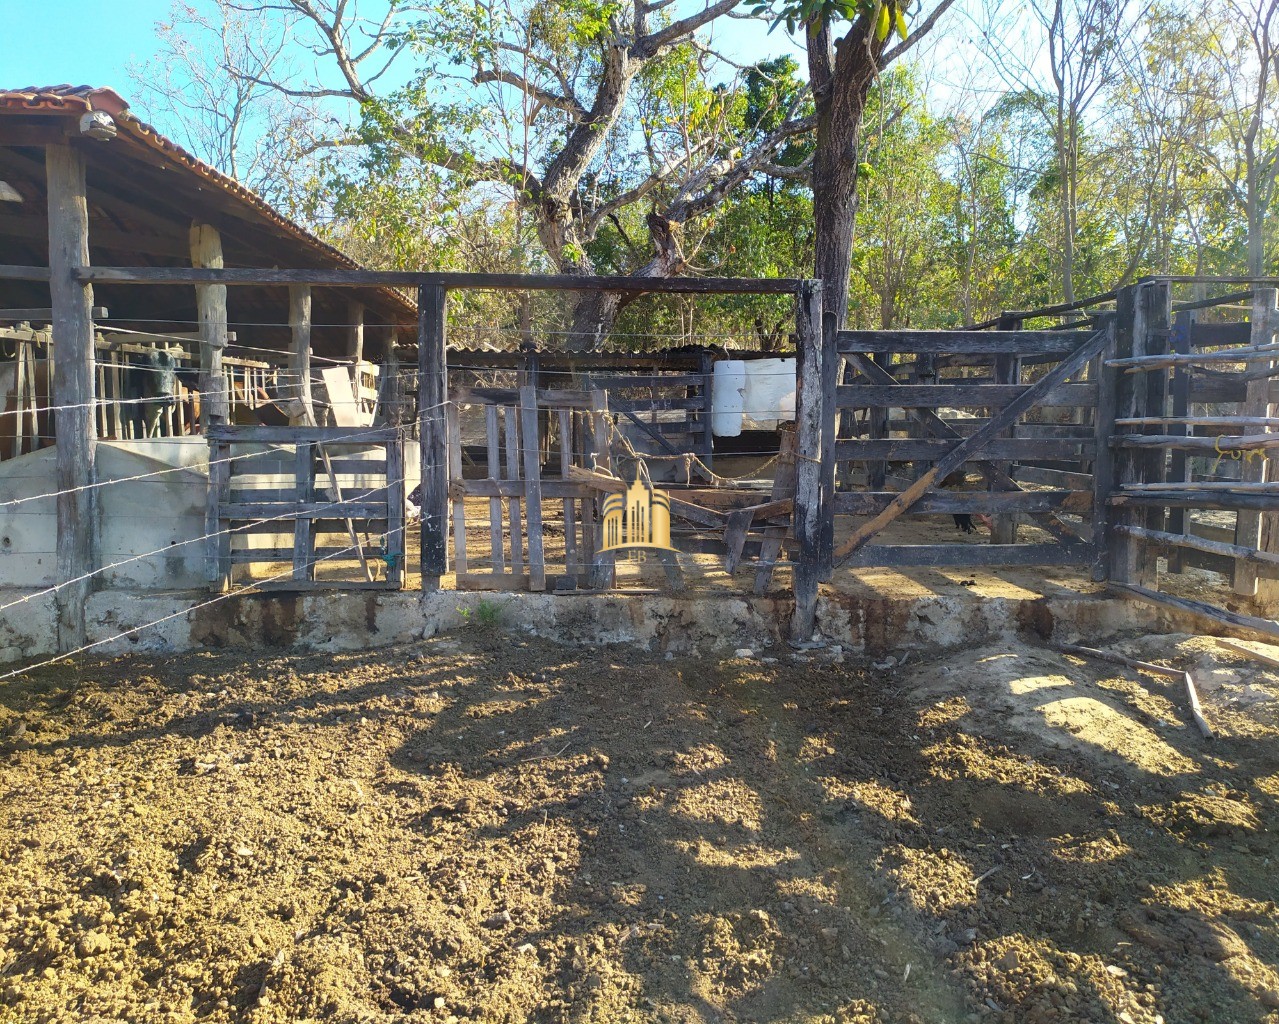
(144, 192)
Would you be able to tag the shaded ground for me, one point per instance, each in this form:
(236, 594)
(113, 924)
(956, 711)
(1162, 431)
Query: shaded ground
(486, 828)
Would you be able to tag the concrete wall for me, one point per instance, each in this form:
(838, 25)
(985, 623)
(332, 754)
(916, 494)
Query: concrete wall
(159, 517)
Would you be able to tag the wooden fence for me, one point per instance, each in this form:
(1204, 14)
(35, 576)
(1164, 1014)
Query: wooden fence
(1104, 480)
(1187, 392)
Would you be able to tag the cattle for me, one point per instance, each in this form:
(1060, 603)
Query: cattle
(150, 390)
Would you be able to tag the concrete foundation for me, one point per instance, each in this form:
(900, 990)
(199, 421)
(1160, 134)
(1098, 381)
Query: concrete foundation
(123, 621)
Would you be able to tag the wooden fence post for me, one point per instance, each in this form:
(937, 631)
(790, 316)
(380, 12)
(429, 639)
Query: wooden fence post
(1121, 549)
(809, 416)
(1148, 308)
(1179, 463)
(73, 387)
(1103, 466)
(300, 356)
(432, 394)
(1257, 530)
(1007, 371)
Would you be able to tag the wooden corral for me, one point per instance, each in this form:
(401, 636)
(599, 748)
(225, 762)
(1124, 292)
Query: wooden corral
(1084, 443)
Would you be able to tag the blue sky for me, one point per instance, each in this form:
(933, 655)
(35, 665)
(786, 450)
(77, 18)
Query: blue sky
(93, 43)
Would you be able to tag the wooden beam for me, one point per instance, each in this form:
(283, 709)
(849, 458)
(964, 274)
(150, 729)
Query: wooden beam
(302, 410)
(35, 228)
(962, 451)
(354, 332)
(954, 396)
(42, 315)
(73, 388)
(809, 411)
(432, 393)
(408, 278)
(1221, 616)
(961, 554)
(1002, 342)
(210, 301)
(1259, 531)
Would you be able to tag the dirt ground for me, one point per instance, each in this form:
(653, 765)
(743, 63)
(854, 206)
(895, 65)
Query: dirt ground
(484, 827)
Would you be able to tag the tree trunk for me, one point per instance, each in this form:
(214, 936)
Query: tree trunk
(841, 99)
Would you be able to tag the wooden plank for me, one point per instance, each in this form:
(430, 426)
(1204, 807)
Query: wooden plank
(619, 381)
(533, 488)
(735, 538)
(305, 510)
(1050, 343)
(1194, 543)
(1226, 501)
(1162, 361)
(958, 455)
(1265, 657)
(1055, 478)
(1228, 424)
(1209, 335)
(72, 387)
(922, 449)
(585, 442)
(344, 278)
(43, 314)
(397, 549)
(303, 527)
(871, 503)
(1003, 529)
(329, 436)
(1178, 463)
(510, 420)
(960, 554)
(809, 412)
(264, 556)
(314, 585)
(603, 572)
(564, 420)
(1221, 616)
(455, 475)
(1255, 530)
(432, 389)
(955, 396)
(783, 487)
(616, 404)
(497, 547)
(218, 541)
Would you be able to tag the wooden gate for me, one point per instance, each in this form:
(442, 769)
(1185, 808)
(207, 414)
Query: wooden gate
(305, 508)
(939, 447)
(507, 423)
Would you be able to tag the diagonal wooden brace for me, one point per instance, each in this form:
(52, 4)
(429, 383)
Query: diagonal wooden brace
(938, 427)
(966, 447)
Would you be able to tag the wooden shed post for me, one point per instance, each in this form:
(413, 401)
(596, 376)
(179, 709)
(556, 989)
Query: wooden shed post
(300, 356)
(73, 387)
(432, 393)
(210, 301)
(355, 333)
(1255, 529)
(809, 416)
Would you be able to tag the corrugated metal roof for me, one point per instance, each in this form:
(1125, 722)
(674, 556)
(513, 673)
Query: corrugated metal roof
(80, 99)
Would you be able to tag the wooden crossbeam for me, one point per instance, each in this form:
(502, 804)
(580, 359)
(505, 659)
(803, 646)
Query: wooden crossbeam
(964, 450)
